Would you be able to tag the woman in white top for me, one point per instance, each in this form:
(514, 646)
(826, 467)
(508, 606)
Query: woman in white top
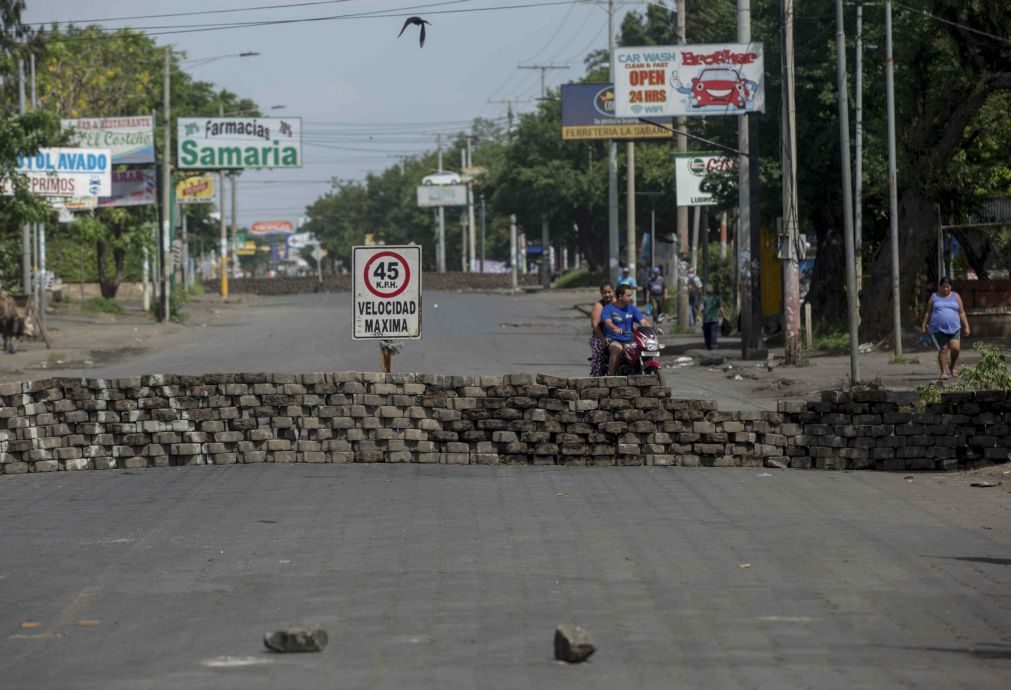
(947, 322)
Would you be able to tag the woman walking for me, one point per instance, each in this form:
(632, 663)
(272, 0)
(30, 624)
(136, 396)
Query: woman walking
(598, 342)
(947, 322)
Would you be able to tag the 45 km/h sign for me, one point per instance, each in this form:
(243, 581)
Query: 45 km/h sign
(387, 293)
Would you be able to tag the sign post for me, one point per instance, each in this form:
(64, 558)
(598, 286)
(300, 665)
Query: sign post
(387, 296)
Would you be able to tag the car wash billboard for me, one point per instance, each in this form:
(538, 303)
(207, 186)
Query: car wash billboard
(130, 139)
(588, 113)
(231, 143)
(669, 81)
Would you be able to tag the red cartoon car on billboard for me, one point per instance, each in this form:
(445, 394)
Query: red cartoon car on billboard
(721, 86)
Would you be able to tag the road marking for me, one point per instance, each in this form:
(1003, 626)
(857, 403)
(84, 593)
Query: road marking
(236, 661)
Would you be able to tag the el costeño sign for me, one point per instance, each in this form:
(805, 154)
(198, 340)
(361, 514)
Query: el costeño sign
(129, 139)
(65, 172)
(210, 143)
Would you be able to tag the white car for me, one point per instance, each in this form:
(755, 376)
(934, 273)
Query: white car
(441, 177)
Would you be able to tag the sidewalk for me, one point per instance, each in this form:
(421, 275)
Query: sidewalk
(737, 384)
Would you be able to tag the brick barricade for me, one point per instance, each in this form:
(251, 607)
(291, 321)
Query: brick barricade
(517, 419)
(453, 280)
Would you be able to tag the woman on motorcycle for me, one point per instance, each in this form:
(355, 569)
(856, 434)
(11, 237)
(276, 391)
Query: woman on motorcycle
(598, 341)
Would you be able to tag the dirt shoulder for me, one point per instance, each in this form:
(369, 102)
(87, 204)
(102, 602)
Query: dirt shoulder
(78, 340)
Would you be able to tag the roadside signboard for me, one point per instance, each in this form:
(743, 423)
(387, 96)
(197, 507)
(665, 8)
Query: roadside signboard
(134, 187)
(231, 143)
(73, 203)
(667, 81)
(272, 227)
(300, 240)
(442, 195)
(199, 189)
(129, 139)
(387, 292)
(588, 113)
(690, 174)
(65, 172)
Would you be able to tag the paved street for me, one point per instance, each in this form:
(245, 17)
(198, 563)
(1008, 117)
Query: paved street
(455, 577)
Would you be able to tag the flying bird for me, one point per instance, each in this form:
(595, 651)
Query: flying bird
(415, 20)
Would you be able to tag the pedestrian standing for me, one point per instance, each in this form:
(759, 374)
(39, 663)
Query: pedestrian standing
(946, 319)
(694, 295)
(628, 279)
(598, 341)
(656, 291)
(712, 312)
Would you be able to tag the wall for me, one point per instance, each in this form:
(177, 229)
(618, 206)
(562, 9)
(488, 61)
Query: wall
(521, 419)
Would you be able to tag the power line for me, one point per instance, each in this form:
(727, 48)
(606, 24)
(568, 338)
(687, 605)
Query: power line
(949, 22)
(188, 14)
(378, 14)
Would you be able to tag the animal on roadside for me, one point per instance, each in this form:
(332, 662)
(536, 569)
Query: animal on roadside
(420, 22)
(12, 323)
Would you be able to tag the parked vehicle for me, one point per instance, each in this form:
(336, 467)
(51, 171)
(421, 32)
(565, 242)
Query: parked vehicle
(442, 177)
(641, 355)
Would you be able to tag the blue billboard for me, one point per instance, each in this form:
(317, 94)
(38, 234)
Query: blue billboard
(588, 113)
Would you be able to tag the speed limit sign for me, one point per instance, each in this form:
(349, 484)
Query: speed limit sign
(387, 292)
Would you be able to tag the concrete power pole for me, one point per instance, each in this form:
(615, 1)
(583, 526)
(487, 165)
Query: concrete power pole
(612, 162)
(26, 231)
(472, 230)
(847, 188)
(166, 189)
(858, 144)
(747, 246)
(789, 242)
(440, 237)
(682, 211)
(544, 69)
(235, 224)
(223, 226)
(630, 252)
(893, 192)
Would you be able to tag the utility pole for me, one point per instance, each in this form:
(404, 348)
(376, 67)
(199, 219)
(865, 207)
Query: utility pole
(630, 207)
(748, 232)
(612, 161)
(471, 229)
(26, 230)
(544, 69)
(223, 225)
(235, 232)
(545, 251)
(893, 192)
(509, 108)
(166, 188)
(847, 188)
(440, 237)
(858, 153)
(513, 253)
(789, 242)
(681, 142)
(482, 232)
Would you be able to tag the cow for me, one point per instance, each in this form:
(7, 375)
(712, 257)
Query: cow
(12, 323)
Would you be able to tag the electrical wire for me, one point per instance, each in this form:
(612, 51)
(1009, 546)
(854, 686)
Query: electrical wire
(949, 22)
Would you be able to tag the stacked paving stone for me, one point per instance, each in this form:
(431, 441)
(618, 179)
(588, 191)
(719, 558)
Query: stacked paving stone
(885, 430)
(343, 283)
(518, 419)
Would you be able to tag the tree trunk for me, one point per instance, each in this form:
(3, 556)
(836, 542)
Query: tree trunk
(108, 286)
(827, 295)
(917, 269)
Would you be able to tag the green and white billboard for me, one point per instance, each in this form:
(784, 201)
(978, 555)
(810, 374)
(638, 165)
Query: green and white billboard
(215, 143)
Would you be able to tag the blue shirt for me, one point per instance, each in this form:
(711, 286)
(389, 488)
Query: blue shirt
(623, 318)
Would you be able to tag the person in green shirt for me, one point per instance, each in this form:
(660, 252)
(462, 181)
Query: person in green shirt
(712, 312)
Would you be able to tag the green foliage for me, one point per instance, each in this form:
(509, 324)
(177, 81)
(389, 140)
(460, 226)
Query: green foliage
(581, 277)
(903, 359)
(990, 373)
(102, 305)
(831, 339)
(929, 394)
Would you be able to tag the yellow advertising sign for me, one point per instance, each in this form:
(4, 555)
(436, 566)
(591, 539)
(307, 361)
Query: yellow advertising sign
(199, 189)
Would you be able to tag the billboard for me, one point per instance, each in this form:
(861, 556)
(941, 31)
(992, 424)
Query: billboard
(272, 227)
(588, 113)
(65, 172)
(667, 81)
(199, 189)
(690, 171)
(442, 195)
(229, 143)
(136, 187)
(130, 139)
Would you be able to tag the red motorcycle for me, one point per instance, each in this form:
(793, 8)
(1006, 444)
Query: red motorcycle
(641, 355)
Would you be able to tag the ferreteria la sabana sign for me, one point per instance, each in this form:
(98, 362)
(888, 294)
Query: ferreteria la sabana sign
(65, 172)
(208, 143)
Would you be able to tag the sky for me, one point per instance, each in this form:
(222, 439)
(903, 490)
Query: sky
(366, 97)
